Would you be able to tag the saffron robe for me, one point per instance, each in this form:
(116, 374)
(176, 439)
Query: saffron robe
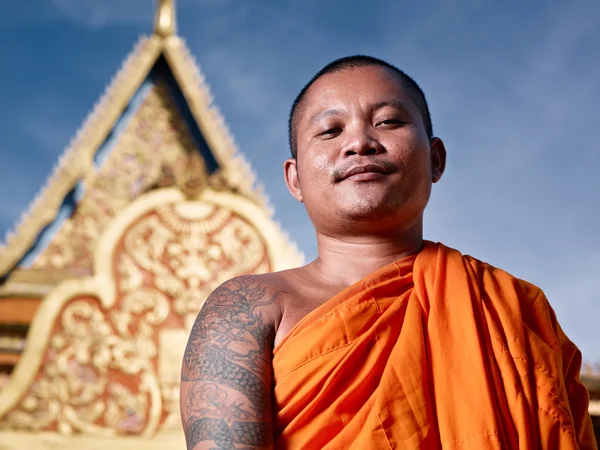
(438, 350)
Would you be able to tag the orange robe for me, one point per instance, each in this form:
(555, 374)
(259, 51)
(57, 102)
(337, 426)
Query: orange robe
(434, 351)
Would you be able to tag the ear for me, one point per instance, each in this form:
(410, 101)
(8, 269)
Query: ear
(290, 171)
(438, 159)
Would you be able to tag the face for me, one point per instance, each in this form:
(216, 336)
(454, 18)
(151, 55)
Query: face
(364, 156)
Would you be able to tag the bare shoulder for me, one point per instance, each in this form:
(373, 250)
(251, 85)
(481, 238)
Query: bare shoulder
(249, 293)
(245, 304)
(226, 395)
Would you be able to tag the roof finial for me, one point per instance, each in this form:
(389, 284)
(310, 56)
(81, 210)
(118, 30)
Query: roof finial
(164, 25)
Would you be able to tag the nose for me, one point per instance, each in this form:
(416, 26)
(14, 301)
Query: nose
(361, 142)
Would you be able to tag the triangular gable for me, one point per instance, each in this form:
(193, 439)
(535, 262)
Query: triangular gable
(156, 60)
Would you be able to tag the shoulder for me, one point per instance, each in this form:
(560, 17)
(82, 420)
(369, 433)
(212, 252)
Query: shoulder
(487, 275)
(253, 292)
(527, 302)
(268, 295)
(240, 316)
(495, 278)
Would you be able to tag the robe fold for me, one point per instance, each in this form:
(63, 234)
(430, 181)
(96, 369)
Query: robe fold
(437, 350)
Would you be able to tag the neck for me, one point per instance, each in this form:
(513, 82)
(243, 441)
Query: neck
(346, 260)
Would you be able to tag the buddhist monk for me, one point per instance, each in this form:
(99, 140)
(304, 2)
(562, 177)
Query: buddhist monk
(386, 340)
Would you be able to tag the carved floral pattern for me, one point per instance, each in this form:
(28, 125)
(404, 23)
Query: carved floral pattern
(152, 151)
(100, 370)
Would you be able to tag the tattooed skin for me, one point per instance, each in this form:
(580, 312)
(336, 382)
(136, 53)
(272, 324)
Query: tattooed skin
(224, 435)
(227, 372)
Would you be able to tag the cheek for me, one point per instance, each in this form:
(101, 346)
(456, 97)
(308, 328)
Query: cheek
(413, 159)
(413, 153)
(314, 168)
(420, 176)
(319, 159)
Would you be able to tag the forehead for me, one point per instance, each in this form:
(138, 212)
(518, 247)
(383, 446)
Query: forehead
(347, 87)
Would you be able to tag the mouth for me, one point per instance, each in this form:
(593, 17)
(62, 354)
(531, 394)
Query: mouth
(365, 173)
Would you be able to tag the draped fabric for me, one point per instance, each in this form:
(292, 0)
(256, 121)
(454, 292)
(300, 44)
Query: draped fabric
(434, 351)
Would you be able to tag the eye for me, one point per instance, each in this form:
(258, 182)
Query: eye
(387, 123)
(330, 132)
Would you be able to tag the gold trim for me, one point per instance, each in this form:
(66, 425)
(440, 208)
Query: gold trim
(11, 343)
(10, 440)
(281, 254)
(164, 24)
(42, 276)
(37, 340)
(14, 289)
(235, 168)
(77, 160)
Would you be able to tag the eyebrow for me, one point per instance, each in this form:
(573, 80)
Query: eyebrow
(327, 113)
(395, 103)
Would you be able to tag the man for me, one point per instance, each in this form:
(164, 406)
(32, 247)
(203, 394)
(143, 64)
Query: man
(385, 340)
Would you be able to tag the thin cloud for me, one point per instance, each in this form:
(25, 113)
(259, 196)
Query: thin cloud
(511, 92)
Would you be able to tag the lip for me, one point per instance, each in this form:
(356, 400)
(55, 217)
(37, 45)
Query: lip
(366, 176)
(364, 173)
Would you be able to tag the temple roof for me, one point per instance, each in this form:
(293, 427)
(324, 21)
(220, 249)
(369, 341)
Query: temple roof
(161, 65)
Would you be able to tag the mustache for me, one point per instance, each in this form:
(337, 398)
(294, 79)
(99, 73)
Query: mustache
(390, 167)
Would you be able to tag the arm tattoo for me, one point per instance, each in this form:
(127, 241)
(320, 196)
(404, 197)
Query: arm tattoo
(229, 355)
(217, 430)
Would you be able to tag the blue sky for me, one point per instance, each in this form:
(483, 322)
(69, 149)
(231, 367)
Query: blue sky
(514, 89)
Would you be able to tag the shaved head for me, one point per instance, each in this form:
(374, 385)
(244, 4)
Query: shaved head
(413, 90)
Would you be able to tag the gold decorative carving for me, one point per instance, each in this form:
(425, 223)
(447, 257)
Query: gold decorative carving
(155, 142)
(77, 162)
(101, 349)
(172, 345)
(11, 343)
(77, 389)
(164, 24)
(104, 352)
(188, 258)
(14, 440)
(193, 178)
(94, 346)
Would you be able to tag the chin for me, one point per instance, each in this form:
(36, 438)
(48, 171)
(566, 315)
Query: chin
(365, 208)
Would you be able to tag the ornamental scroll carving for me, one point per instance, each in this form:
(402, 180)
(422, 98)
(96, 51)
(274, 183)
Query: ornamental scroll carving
(153, 151)
(110, 368)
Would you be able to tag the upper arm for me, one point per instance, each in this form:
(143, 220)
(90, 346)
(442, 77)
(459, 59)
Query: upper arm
(569, 360)
(226, 377)
(577, 393)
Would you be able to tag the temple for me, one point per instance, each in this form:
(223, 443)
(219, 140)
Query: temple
(147, 211)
